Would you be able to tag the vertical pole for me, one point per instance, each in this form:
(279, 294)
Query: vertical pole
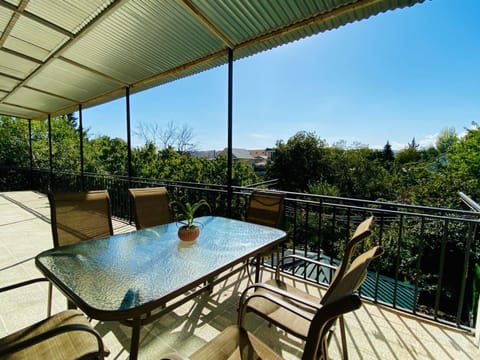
(129, 150)
(50, 152)
(229, 130)
(80, 130)
(129, 137)
(30, 151)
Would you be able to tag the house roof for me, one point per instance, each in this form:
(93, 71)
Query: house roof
(55, 55)
(241, 154)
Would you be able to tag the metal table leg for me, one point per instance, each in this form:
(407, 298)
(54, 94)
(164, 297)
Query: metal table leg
(134, 342)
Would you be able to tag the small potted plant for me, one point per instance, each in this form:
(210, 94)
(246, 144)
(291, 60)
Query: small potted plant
(188, 231)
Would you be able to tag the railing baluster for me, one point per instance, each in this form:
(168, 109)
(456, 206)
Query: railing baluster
(397, 259)
(419, 261)
(466, 262)
(441, 267)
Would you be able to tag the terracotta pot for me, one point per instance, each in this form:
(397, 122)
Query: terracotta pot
(188, 233)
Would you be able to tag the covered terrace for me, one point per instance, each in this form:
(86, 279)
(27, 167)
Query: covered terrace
(62, 57)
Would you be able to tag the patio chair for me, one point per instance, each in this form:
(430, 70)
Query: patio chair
(65, 335)
(235, 342)
(150, 207)
(299, 326)
(265, 208)
(79, 216)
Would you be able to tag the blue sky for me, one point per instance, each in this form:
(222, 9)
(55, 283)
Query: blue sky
(404, 74)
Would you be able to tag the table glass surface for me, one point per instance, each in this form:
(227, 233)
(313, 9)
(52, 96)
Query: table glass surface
(125, 271)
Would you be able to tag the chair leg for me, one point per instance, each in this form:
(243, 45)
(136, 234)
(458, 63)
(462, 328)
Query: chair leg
(343, 336)
(49, 305)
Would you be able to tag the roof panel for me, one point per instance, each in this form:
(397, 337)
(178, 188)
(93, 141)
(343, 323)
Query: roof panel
(5, 16)
(37, 35)
(26, 48)
(71, 82)
(143, 38)
(7, 83)
(20, 112)
(37, 100)
(15, 65)
(71, 15)
(92, 49)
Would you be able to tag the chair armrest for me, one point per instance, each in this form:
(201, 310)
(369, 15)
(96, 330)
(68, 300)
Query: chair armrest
(280, 301)
(23, 283)
(51, 333)
(302, 258)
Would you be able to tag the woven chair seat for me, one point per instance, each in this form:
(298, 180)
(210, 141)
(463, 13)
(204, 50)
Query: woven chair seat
(68, 345)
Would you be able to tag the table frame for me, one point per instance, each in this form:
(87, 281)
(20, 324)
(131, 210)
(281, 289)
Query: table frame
(138, 316)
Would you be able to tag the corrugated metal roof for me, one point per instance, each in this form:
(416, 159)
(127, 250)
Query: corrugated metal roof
(55, 55)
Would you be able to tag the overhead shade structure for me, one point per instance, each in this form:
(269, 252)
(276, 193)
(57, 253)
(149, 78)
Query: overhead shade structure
(55, 55)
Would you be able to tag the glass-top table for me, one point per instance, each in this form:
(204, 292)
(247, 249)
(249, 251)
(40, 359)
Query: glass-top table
(130, 277)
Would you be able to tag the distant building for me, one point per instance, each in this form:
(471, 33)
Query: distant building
(242, 155)
(209, 154)
(257, 159)
(266, 154)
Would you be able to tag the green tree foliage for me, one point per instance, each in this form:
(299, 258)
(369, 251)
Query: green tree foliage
(15, 147)
(388, 157)
(408, 155)
(14, 144)
(107, 156)
(299, 162)
(464, 162)
(447, 138)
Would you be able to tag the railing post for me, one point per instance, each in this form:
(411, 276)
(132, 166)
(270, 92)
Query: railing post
(80, 130)
(50, 153)
(30, 151)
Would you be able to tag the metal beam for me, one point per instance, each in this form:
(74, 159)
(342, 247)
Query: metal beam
(208, 24)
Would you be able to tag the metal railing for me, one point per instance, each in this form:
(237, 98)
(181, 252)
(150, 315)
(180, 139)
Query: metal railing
(426, 268)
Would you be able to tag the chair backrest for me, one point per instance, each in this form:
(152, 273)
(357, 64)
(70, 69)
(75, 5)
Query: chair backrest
(353, 278)
(150, 207)
(265, 208)
(338, 300)
(363, 231)
(80, 216)
(316, 345)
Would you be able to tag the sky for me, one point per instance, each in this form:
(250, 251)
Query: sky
(404, 74)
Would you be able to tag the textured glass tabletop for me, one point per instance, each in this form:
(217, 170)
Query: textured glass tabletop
(127, 271)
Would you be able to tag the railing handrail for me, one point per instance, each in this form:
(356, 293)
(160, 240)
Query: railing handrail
(470, 202)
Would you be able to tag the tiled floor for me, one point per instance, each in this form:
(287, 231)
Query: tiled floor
(373, 332)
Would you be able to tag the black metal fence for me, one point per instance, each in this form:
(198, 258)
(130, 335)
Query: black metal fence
(427, 268)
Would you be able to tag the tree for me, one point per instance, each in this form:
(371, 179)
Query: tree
(409, 154)
(388, 156)
(298, 163)
(446, 140)
(14, 143)
(172, 135)
(109, 156)
(464, 162)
